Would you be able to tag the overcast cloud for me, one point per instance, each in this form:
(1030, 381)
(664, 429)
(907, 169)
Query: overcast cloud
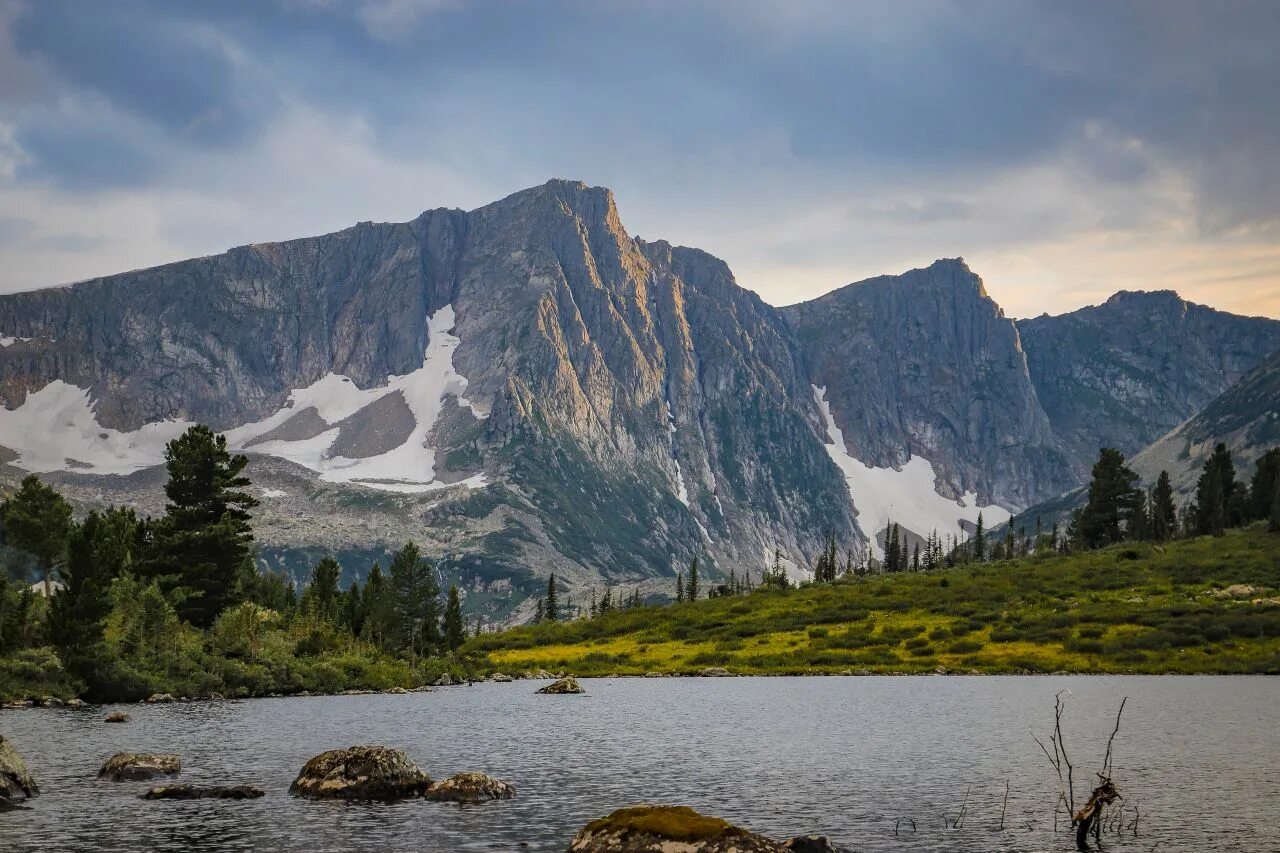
(1067, 150)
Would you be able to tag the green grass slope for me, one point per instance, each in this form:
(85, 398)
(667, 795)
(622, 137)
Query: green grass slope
(1138, 607)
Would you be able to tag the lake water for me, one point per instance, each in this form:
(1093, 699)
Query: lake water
(844, 757)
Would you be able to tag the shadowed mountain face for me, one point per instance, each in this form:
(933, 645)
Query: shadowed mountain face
(1123, 373)
(926, 364)
(525, 389)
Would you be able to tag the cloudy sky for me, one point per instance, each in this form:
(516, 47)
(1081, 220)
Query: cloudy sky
(1066, 150)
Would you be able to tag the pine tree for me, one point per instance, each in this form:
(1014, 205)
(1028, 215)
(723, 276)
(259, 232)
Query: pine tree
(353, 609)
(454, 630)
(204, 542)
(99, 549)
(979, 541)
(552, 609)
(679, 586)
(1273, 521)
(691, 588)
(1214, 491)
(594, 607)
(1112, 503)
(322, 592)
(379, 608)
(1265, 484)
(1164, 520)
(538, 610)
(416, 597)
(37, 520)
(915, 558)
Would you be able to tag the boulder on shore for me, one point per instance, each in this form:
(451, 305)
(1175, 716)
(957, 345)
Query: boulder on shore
(498, 676)
(470, 788)
(208, 792)
(659, 829)
(160, 698)
(116, 717)
(564, 685)
(15, 781)
(132, 766)
(445, 680)
(715, 672)
(361, 773)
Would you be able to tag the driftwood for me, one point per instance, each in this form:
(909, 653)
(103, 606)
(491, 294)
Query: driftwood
(1088, 818)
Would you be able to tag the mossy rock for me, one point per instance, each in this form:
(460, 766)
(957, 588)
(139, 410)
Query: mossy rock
(361, 773)
(15, 781)
(657, 829)
(563, 686)
(470, 788)
(133, 766)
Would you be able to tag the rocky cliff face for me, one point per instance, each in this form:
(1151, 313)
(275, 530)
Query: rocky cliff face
(926, 364)
(1246, 417)
(1123, 373)
(523, 388)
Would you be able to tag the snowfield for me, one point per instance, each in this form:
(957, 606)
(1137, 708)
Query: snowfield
(907, 496)
(56, 428)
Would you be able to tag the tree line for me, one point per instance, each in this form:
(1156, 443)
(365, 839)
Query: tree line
(123, 595)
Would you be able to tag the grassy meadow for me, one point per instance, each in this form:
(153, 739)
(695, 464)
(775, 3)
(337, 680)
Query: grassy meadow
(1133, 608)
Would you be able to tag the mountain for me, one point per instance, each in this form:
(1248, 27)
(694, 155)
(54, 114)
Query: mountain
(1123, 373)
(522, 389)
(1246, 417)
(926, 366)
(525, 389)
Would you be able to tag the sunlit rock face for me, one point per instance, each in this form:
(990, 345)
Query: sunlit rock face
(526, 388)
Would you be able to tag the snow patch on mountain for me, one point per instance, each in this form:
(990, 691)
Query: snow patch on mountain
(682, 491)
(907, 496)
(56, 429)
(410, 467)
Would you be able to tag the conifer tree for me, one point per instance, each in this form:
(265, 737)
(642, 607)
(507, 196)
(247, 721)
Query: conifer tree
(679, 586)
(1214, 492)
(1112, 502)
(322, 592)
(552, 609)
(1265, 484)
(416, 597)
(37, 520)
(379, 608)
(915, 558)
(1164, 521)
(1273, 521)
(454, 630)
(203, 544)
(353, 609)
(538, 610)
(594, 607)
(691, 588)
(979, 541)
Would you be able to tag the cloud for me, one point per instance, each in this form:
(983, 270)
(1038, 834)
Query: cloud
(807, 143)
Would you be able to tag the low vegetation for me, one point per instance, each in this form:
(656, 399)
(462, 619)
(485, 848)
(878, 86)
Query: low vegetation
(1198, 605)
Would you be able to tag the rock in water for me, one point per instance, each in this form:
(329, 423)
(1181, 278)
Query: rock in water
(500, 677)
(470, 788)
(810, 844)
(131, 766)
(667, 829)
(564, 685)
(15, 782)
(210, 792)
(361, 773)
(160, 699)
(117, 717)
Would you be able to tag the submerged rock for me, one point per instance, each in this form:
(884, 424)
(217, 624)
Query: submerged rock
(471, 788)
(15, 781)
(564, 685)
(116, 717)
(208, 792)
(668, 829)
(361, 773)
(810, 844)
(131, 766)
